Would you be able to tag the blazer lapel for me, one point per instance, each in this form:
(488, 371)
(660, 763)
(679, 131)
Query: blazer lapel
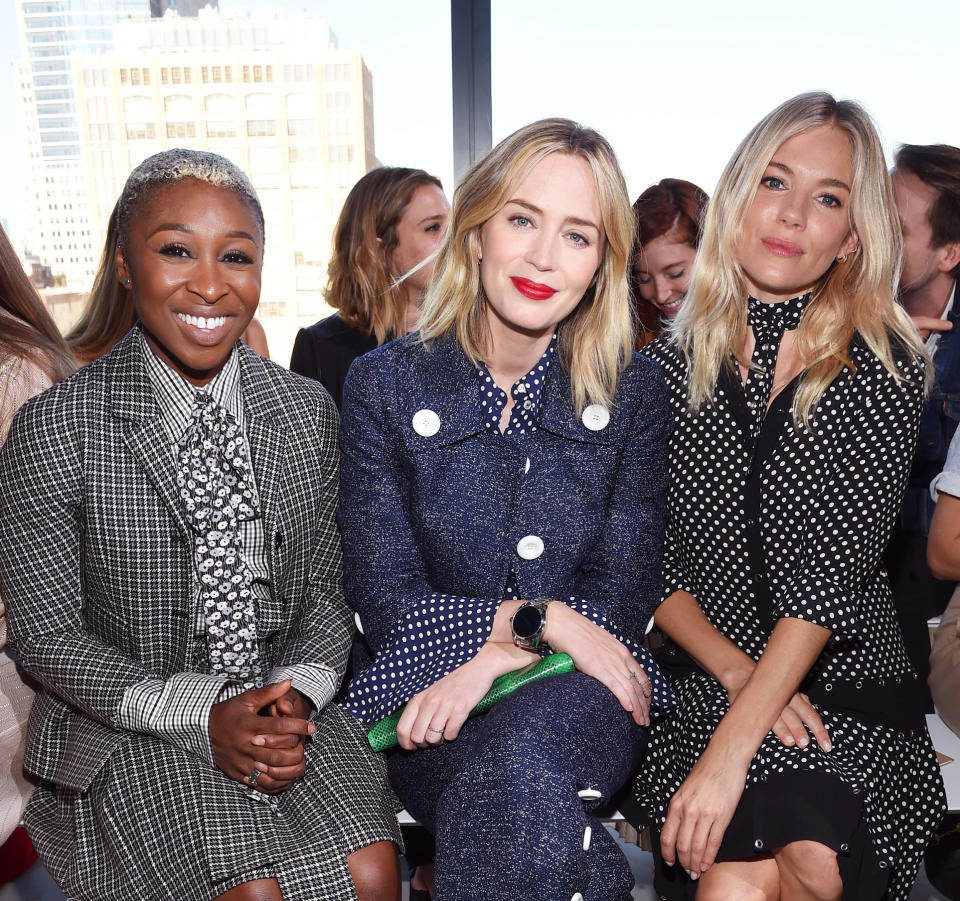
(134, 402)
(268, 453)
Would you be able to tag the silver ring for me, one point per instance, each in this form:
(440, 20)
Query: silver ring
(435, 731)
(255, 774)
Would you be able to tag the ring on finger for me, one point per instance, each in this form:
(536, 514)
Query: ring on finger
(255, 774)
(435, 731)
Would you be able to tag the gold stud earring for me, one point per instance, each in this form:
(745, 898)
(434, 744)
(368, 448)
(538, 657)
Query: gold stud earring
(842, 258)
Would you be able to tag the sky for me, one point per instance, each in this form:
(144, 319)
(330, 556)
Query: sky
(674, 86)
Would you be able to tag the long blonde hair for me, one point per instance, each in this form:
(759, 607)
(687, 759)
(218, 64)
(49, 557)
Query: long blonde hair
(596, 338)
(855, 296)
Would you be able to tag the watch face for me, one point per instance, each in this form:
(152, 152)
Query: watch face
(527, 622)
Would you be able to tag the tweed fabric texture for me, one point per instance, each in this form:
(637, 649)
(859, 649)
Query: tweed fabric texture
(99, 572)
(502, 798)
(433, 527)
(432, 524)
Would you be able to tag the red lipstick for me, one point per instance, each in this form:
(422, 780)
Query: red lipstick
(533, 290)
(782, 248)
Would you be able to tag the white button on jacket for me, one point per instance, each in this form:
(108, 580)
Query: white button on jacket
(595, 417)
(426, 423)
(530, 547)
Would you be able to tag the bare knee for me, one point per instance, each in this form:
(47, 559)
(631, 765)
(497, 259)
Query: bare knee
(376, 872)
(754, 880)
(809, 870)
(257, 890)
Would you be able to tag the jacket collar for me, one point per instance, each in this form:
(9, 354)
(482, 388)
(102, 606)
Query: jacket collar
(133, 398)
(441, 378)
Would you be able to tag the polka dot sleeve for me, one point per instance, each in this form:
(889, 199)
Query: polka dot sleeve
(849, 523)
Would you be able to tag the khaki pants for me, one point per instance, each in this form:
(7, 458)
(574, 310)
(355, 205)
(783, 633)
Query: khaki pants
(945, 664)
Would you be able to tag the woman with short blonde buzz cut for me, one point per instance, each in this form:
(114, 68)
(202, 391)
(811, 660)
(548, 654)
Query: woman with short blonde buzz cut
(798, 765)
(503, 482)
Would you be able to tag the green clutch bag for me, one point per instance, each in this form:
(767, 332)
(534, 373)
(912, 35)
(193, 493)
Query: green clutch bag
(383, 734)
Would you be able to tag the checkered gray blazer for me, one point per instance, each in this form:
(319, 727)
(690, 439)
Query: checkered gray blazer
(96, 559)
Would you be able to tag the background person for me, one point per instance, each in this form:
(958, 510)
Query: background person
(926, 185)
(669, 216)
(32, 357)
(173, 574)
(512, 457)
(391, 223)
(798, 765)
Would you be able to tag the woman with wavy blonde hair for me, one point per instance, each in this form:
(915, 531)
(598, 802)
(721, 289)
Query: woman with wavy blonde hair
(798, 765)
(503, 484)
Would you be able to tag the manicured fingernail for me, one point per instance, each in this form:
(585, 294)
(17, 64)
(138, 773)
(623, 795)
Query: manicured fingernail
(804, 742)
(258, 740)
(827, 746)
(693, 875)
(260, 766)
(589, 794)
(311, 728)
(788, 740)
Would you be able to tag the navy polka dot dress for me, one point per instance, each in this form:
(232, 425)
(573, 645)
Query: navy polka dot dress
(781, 522)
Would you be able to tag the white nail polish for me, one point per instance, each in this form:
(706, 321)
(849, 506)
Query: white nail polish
(587, 835)
(588, 794)
(577, 897)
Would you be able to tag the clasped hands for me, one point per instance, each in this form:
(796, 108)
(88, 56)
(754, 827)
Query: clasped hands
(262, 729)
(437, 713)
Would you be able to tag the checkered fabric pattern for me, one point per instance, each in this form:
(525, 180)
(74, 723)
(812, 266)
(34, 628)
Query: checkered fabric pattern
(97, 567)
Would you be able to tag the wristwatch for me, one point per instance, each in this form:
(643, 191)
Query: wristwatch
(528, 623)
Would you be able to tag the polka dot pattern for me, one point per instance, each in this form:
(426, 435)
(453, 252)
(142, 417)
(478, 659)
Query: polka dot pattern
(525, 392)
(783, 522)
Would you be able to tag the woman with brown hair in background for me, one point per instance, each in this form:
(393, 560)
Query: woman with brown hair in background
(32, 357)
(669, 216)
(390, 225)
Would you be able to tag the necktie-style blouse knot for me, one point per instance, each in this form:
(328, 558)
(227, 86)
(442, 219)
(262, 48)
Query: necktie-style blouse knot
(773, 319)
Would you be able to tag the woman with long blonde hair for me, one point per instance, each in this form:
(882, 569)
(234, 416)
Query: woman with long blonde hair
(798, 765)
(503, 483)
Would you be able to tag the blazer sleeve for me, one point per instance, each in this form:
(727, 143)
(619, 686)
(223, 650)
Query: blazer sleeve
(324, 633)
(41, 526)
(384, 573)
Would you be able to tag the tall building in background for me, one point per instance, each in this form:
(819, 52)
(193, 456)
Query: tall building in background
(58, 230)
(272, 92)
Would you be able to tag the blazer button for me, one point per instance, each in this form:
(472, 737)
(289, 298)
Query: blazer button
(595, 417)
(530, 547)
(426, 423)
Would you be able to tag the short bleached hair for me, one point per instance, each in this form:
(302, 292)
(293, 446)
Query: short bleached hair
(171, 166)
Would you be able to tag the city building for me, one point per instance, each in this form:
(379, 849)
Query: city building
(272, 92)
(57, 228)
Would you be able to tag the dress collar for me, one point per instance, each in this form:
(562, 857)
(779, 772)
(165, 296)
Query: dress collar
(780, 317)
(526, 392)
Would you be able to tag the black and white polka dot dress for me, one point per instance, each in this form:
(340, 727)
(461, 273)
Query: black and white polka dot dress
(765, 521)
